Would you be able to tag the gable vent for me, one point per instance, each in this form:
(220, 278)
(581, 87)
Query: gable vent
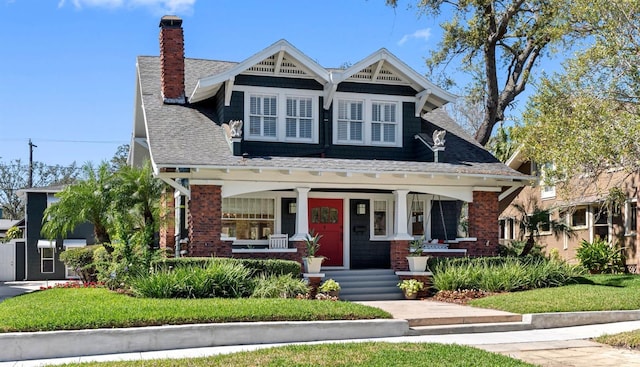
(268, 66)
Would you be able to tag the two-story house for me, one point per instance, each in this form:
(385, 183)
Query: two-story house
(261, 152)
(584, 203)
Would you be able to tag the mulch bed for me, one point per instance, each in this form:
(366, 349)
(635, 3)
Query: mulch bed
(461, 296)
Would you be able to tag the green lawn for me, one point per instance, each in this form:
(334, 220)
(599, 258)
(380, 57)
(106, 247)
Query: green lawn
(349, 354)
(593, 293)
(90, 308)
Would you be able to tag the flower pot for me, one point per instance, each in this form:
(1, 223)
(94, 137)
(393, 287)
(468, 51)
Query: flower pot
(410, 295)
(312, 264)
(417, 263)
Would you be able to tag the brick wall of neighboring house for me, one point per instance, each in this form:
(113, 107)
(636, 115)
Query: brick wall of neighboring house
(205, 222)
(399, 251)
(483, 224)
(167, 221)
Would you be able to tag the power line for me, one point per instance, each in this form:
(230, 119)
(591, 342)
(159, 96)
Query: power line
(70, 141)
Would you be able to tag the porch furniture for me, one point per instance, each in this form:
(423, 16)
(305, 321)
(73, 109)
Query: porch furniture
(278, 241)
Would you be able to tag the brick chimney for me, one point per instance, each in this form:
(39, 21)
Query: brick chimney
(172, 59)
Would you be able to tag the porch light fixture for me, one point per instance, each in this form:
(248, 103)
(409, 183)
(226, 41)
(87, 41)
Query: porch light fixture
(293, 208)
(361, 209)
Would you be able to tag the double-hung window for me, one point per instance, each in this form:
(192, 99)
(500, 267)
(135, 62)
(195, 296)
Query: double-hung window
(383, 122)
(281, 114)
(299, 121)
(367, 119)
(263, 116)
(350, 121)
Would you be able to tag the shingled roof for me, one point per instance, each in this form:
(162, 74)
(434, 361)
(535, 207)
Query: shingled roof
(191, 136)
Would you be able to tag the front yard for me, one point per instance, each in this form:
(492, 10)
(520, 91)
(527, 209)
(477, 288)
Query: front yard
(592, 293)
(91, 308)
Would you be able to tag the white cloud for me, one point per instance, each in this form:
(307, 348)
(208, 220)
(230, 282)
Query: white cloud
(159, 6)
(423, 34)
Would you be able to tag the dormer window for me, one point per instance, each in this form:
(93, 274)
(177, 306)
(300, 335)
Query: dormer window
(350, 121)
(363, 119)
(383, 122)
(282, 115)
(263, 116)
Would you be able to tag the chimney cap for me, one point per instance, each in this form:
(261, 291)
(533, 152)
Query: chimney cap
(170, 21)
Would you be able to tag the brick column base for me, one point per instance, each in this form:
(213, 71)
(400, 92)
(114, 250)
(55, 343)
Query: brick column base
(483, 224)
(399, 251)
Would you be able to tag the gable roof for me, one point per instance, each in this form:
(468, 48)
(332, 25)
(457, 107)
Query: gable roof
(279, 58)
(191, 136)
(283, 59)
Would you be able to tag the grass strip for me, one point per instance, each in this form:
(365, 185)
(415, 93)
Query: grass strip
(629, 340)
(349, 354)
(92, 308)
(595, 293)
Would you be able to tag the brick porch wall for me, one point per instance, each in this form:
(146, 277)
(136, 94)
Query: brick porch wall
(205, 222)
(483, 224)
(167, 220)
(293, 256)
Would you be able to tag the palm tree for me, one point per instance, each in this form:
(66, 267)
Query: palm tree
(88, 200)
(136, 196)
(538, 220)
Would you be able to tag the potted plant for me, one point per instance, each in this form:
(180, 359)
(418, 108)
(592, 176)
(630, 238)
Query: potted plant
(411, 287)
(312, 263)
(417, 262)
(330, 287)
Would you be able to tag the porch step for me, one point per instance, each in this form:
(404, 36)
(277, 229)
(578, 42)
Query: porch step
(366, 285)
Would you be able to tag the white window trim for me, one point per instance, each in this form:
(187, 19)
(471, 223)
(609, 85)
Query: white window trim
(627, 217)
(546, 192)
(389, 220)
(276, 219)
(367, 112)
(586, 219)
(52, 259)
(281, 95)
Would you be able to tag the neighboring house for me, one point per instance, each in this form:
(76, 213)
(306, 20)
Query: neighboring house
(11, 251)
(583, 205)
(354, 154)
(41, 257)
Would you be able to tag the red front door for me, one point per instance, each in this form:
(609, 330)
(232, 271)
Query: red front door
(325, 218)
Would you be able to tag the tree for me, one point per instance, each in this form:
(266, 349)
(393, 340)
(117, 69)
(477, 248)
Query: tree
(88, 200)
(502, 145)
(137, 200)
(467, 113)
(535, 221)
(119, 159)
(14, 175)
(498, 43)
(587, 119)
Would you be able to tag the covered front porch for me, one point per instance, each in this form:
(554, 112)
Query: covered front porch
(366, 220)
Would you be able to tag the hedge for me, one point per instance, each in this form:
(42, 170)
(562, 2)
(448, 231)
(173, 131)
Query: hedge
(258, 267)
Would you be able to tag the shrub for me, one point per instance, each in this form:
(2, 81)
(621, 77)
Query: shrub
(80, 259)
(280, 286)
(600, 257)
(217, 279)
(257, 267)
(510, 274)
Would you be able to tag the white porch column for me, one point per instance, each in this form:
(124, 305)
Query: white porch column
(302, 214)
(427, 217)
(401, 219)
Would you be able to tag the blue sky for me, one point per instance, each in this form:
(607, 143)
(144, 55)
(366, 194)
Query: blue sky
(68, 67)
